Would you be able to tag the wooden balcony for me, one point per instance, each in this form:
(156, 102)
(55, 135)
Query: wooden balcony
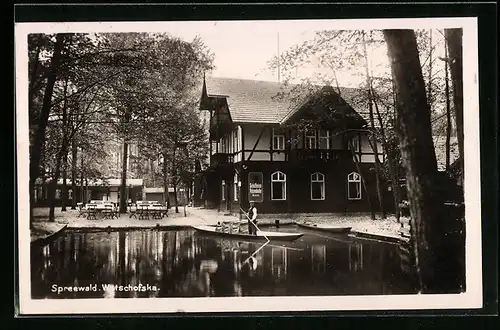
(221, 159)
(302, 155)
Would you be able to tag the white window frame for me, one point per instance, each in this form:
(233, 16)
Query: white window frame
(309, 138)
(280, 139)
(327, 138)
(318, 177)
(280, 177)
(223, 190)
(351, 179)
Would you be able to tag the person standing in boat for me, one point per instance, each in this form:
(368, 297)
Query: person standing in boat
(252, 219)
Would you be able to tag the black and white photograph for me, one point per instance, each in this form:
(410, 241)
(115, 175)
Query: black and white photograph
(246, 165)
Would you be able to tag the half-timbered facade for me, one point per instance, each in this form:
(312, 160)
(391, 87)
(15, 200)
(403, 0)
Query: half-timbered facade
(288, 158)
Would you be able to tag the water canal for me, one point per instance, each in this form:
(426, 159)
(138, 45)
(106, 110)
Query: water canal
(183, 263)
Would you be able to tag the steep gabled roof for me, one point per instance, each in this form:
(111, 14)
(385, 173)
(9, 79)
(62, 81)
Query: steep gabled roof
(249, 101)
(321, 101)
(254, 101)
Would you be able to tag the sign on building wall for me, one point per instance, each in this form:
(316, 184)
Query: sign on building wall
(255, 187)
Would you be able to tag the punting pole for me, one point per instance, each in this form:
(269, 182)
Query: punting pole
(255, 253)
(246, 214)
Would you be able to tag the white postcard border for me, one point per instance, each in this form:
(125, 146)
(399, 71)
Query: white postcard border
(470, 299)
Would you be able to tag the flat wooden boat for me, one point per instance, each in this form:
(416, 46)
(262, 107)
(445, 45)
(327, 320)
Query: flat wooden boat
(325, 228)
(261, 235)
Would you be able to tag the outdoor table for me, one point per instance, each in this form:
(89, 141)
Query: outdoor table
(107, 210)
(157, 212)
(91, 211)
(142, 211)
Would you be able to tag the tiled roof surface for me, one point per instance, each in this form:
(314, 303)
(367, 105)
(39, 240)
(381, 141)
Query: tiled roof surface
(249, 100)
(255, 101)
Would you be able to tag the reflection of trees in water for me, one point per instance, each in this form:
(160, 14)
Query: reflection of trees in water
(183, 264)
(375, 269)
(179, 264)
(208, 267)
(71, 260)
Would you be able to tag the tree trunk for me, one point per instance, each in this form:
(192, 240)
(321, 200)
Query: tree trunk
(165, 180)
(64, 191)
(40, 129)
(87, 189)
(82, 192)
(74, 154)
(390, 163)
(363, 183)
(123, 186)
(419, 159)
(53, 185)
(429, 83)
(175, 197)
(454, 41)
(448, 108)
(32, 200)
(153, 175)
(174, 180)
(39, 136)
(34, 74)
(373, 135)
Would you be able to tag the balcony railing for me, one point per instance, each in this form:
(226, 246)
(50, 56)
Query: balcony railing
(221, 158)
(315, 154)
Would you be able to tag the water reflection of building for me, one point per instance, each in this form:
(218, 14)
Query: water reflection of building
(318, 259)
(355, 257)
(178, 262)
(279, 262)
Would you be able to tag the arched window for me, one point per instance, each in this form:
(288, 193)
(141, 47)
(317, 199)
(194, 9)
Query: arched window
(317, 186)
(278, 186)
(354, 186)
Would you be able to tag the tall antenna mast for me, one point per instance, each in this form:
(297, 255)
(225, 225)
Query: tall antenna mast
(278, 57)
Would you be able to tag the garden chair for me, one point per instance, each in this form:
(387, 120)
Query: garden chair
(91, 212)
(143, 211)
(81, 210)
(132, 212)
(107, 212)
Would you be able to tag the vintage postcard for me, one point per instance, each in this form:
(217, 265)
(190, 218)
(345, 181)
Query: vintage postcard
(240, 166)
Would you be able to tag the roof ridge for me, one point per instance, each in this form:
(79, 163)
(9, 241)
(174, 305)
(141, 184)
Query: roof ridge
(280, 83)
(246, 79)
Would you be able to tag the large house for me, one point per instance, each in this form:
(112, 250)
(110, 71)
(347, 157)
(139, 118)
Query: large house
(288, 154)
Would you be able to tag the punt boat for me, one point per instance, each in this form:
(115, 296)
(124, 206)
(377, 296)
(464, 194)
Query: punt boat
(271, 235)
(324, 228)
